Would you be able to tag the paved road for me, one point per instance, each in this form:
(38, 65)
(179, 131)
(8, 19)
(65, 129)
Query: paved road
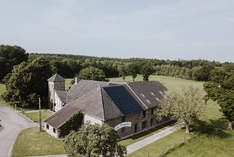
(140, 144)
(12, 123)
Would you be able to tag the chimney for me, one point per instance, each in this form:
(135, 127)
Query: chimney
(76, 80)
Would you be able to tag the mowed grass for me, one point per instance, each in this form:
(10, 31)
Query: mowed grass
(68, 83)
(34, 116)
(32, 142)
(170, 82)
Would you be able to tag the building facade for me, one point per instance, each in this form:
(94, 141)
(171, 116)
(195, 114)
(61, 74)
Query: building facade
(127, 107)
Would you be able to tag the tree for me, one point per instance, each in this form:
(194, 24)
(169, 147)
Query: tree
(186, 105)
(27, 82)
(92, 141)
(146, 71)
(10, 56)
(203, 74)
(123, 71)
(92, 73)
(134, 69)
(220, 88)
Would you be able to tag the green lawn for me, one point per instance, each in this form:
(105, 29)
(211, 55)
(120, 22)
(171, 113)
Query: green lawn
(68, 83)
(35, 115)
(32, 142)
(170, 82)
(209, 138)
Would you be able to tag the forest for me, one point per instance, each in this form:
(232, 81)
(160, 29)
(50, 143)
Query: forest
(25, 74)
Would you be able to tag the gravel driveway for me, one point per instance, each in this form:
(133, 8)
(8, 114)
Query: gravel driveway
(12, 123)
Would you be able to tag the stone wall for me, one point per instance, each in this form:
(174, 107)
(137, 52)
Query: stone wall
(137, 120)
(50, 130)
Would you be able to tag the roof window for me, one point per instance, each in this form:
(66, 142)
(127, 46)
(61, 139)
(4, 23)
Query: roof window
(142, 95)
(152, 93)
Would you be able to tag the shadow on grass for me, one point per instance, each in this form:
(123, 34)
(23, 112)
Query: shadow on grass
(211, 128)
(170, 123)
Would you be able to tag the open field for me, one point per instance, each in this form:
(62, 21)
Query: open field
(34, 116)
(170, 82)
(68, 83)
(32, 142)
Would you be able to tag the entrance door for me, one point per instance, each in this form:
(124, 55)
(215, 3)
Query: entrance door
(135, 128)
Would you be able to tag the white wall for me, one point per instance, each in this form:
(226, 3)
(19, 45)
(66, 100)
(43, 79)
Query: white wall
(50, 130)
(92, 120)
(58, 103)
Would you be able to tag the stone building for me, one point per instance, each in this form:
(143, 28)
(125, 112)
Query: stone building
(126, 106)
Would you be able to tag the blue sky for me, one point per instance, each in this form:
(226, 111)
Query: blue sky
(164, 29)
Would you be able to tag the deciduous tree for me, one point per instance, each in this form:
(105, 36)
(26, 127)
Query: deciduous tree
(27, 82)
(186, 105)
(10, 56)
(94, 141)
(220, 88)
(92, 73)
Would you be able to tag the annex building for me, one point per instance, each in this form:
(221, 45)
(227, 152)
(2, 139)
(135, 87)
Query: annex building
(126, 106)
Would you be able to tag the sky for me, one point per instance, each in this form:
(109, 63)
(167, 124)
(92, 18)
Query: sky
(162, 29)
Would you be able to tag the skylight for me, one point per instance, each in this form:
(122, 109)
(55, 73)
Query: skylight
(142, 95)
(156, 98)
(148, 101)
(160, 92)
(152, 93)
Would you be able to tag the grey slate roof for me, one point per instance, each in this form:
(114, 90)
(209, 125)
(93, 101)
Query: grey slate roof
(106, 101)
(148, 92)
(56, 78)
(82, 88)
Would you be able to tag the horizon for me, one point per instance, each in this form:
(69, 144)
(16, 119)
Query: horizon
(162, 29)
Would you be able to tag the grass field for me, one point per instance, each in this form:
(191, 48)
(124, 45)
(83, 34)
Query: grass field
(68, 83)
(209, 138)
(34, 116)
(32, 142)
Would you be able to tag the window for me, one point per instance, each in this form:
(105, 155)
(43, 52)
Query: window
(135, 128)
(143, 124)
(160, 92)
(54, 130)
(143, 114)
(123, 119)
(142, 95)
(148, 101)
(152, 111)
(152, 93)
(122, 130)
(47, 126)
(156, 98)
(151, 122)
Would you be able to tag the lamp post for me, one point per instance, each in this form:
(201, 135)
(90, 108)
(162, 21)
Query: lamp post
(40, 113)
